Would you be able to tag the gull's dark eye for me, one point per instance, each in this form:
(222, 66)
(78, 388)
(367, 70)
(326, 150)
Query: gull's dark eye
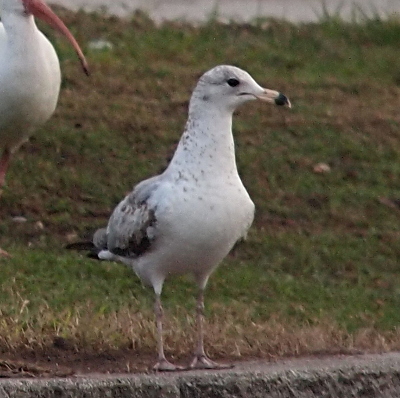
(233, 82)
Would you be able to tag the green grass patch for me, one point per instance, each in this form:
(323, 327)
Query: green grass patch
(322, 258)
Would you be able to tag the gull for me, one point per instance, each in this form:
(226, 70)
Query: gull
(30, 74)
(187, 219)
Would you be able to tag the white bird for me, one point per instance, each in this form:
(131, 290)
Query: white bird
(187, 219)
(30, 74)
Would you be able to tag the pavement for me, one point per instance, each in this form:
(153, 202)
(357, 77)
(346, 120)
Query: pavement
(374, 375)
(239, 10)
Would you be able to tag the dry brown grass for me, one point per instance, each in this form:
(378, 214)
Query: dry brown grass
(230, 333)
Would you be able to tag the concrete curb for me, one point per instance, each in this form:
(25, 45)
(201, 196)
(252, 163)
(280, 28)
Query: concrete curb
(340, 376)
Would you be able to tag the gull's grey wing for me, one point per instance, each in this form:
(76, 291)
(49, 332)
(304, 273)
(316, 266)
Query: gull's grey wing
(130, 229)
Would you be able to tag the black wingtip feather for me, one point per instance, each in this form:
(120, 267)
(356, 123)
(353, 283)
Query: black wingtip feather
(120, 252)
(80, 246)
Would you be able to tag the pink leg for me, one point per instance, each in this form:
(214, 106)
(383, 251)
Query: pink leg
(4, 162)
(201, 360)
(162, 363)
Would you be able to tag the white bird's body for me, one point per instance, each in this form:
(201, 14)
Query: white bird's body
(187, 219)
(30, 74)
(29, 79)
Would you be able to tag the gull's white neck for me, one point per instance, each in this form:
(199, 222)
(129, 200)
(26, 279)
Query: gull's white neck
(207, 144)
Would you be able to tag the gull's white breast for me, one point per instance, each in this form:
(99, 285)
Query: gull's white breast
(197, 225)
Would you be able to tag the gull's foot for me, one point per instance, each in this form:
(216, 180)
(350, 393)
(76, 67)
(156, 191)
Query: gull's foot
(164, 366)
(203, 362)
(3, 253)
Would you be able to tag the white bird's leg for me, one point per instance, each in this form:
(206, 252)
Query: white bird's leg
(4, 162)
(162, 363)
(201, 360)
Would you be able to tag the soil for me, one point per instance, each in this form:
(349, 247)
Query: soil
(65, 361)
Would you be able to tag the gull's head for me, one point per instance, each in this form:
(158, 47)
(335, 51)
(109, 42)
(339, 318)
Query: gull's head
(41, 10)
(228, 86)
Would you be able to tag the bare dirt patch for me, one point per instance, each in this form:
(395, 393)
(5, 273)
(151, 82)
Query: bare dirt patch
(53, 362)
(69, 363)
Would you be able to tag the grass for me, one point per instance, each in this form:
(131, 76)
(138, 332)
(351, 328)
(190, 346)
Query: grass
(319, 272)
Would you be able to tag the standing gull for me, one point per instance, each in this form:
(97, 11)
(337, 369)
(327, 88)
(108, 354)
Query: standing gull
(187, 219)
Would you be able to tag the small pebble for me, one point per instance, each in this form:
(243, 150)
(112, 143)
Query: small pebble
(39, 225)
(71, 237)
(19, 219)
(100, 45)
(321, 168)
